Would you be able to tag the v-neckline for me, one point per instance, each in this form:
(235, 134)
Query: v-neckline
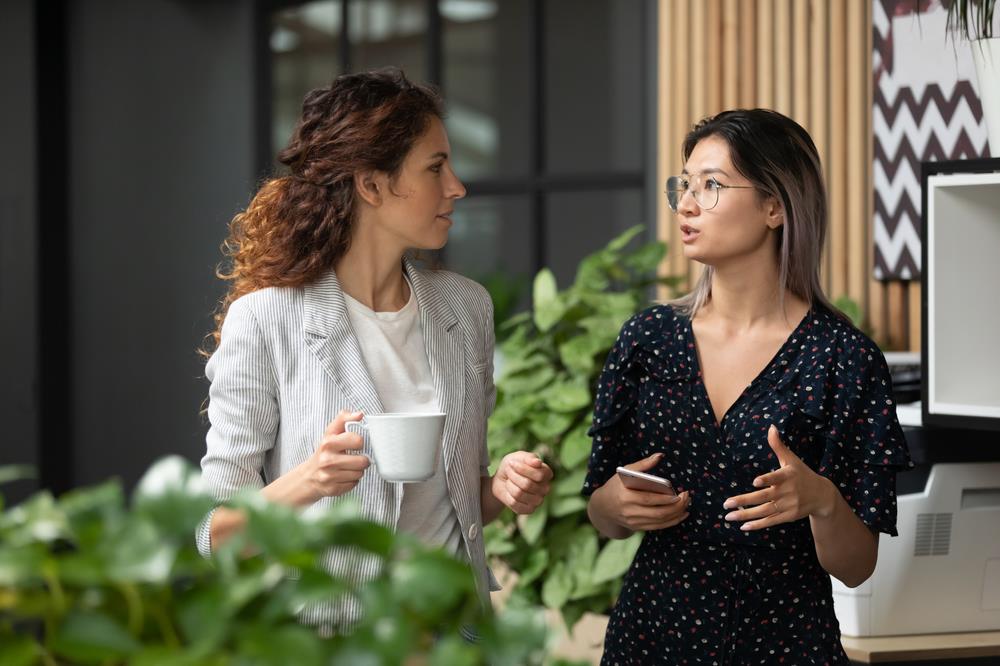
(696, 362)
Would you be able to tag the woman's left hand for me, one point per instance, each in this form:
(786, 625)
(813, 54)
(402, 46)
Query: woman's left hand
(521, 481)
(791, 492)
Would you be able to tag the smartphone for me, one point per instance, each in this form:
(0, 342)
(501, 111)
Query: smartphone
(649, 483)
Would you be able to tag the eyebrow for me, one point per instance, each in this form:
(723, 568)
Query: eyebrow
(438, 155)
(712, 170)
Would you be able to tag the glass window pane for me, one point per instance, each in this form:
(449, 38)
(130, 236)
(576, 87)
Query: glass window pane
(389, 32)
(305, 43)
(593, 75)
(579, 223)
(491, 242)
(486, 61)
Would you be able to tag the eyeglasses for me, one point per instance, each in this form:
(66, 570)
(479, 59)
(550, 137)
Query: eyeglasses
(705, 190)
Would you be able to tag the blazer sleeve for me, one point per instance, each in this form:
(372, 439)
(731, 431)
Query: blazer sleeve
(242, 410)
(489, 388)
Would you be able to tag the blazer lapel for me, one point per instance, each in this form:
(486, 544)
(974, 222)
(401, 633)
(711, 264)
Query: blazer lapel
(445, 348)
(332, 340)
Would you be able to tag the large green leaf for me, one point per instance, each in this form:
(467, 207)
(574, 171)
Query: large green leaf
(537, 561)
(531, 525)
(578, 353)
(575, 447)
(646, 258)
(615, 558)
(623, 239)
(567, 396)
(558, 585)
(92, 637)
(547, 426)
(548, 308)
(564, 506)
(19, 651)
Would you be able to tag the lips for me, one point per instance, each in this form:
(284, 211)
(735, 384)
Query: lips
(688, 233)
(446, 215)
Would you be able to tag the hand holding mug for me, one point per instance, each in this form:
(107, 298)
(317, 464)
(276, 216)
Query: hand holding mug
(336, 466)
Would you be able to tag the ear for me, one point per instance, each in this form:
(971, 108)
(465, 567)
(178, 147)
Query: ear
(368, 186)
(775, 213)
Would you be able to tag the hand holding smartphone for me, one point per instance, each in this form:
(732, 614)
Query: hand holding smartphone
(649, 483)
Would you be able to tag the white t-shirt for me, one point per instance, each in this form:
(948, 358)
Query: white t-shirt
(393, 349)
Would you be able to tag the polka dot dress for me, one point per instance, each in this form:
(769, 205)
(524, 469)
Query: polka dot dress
(705, 592)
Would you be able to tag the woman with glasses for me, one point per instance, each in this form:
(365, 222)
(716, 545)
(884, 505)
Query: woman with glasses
(770, 414)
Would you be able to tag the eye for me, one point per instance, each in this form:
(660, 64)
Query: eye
(712, 184)
(436, 168)
(683, 184)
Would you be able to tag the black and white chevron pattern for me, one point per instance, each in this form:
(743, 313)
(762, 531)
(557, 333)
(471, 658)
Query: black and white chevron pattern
(926, 107)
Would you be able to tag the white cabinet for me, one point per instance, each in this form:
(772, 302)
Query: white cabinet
(961, 292)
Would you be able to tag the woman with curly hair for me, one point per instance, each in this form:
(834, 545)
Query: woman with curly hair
(327, 319)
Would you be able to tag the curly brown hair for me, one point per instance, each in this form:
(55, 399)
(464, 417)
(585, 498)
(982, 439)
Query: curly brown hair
(299, 225)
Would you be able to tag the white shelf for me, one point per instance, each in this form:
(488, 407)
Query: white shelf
(963, 299)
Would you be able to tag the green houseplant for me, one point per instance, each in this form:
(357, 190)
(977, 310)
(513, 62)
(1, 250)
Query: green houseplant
(552, 357)
(86, 579)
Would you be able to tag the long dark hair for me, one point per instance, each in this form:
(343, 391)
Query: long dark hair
(299, 225)
(779, 158)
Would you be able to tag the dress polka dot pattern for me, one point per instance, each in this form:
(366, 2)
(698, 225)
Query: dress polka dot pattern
(705, 592)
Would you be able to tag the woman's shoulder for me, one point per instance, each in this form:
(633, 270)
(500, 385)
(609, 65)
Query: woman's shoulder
(846, 340)
(657, 322)
(461, 292)
(269, 306)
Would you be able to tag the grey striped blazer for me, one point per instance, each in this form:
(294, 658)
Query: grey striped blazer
(288, 362)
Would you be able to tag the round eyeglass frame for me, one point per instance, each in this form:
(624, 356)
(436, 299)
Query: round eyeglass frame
(675, 194)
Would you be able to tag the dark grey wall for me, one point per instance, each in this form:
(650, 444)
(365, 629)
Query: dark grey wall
(18, 283)
(161, 157)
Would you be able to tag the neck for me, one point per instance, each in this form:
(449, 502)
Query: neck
(372, 274)
(745, 294)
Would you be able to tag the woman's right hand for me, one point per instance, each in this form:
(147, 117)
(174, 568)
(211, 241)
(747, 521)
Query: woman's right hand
(636, 509)
(333, 469)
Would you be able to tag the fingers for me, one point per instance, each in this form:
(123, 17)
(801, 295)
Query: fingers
(764, 510)
(769, 521)
(537, 472)
(749, 499)
(338, 425)
(784, 454)
(645, 463)
(638, 516)
(347, 441)
(645, 498)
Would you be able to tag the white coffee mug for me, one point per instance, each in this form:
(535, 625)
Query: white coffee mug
(405, 446)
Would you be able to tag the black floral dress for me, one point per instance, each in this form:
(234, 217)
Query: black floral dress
(705, 592)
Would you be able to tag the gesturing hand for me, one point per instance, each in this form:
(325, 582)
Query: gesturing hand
(791, 492)
(332, 469)
(521, 481)
(641, 510)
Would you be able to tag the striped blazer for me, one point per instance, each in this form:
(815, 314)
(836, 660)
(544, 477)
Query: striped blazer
(289, 361)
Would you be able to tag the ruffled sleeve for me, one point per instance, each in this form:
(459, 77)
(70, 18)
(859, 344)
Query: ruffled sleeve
(614, 402)
(866, 446)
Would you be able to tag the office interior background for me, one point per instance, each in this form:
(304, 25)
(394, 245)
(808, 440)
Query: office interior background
(134, 131)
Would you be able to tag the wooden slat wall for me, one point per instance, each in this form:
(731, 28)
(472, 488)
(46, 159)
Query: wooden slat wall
(811, 60)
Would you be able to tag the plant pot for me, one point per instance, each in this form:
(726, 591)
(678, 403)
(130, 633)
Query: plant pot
(986, 54)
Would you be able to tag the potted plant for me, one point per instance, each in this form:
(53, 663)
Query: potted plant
(86, 579)
(552, 357)
(975, 20)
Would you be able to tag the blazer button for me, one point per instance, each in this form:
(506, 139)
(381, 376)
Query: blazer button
(473, 531)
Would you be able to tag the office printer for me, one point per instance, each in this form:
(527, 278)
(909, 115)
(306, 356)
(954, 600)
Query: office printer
(942, 573)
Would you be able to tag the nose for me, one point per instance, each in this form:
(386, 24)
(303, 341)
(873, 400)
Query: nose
(687, 206)
(454, 189)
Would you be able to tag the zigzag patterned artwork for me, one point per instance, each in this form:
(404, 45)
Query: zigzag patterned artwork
(926, 107)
